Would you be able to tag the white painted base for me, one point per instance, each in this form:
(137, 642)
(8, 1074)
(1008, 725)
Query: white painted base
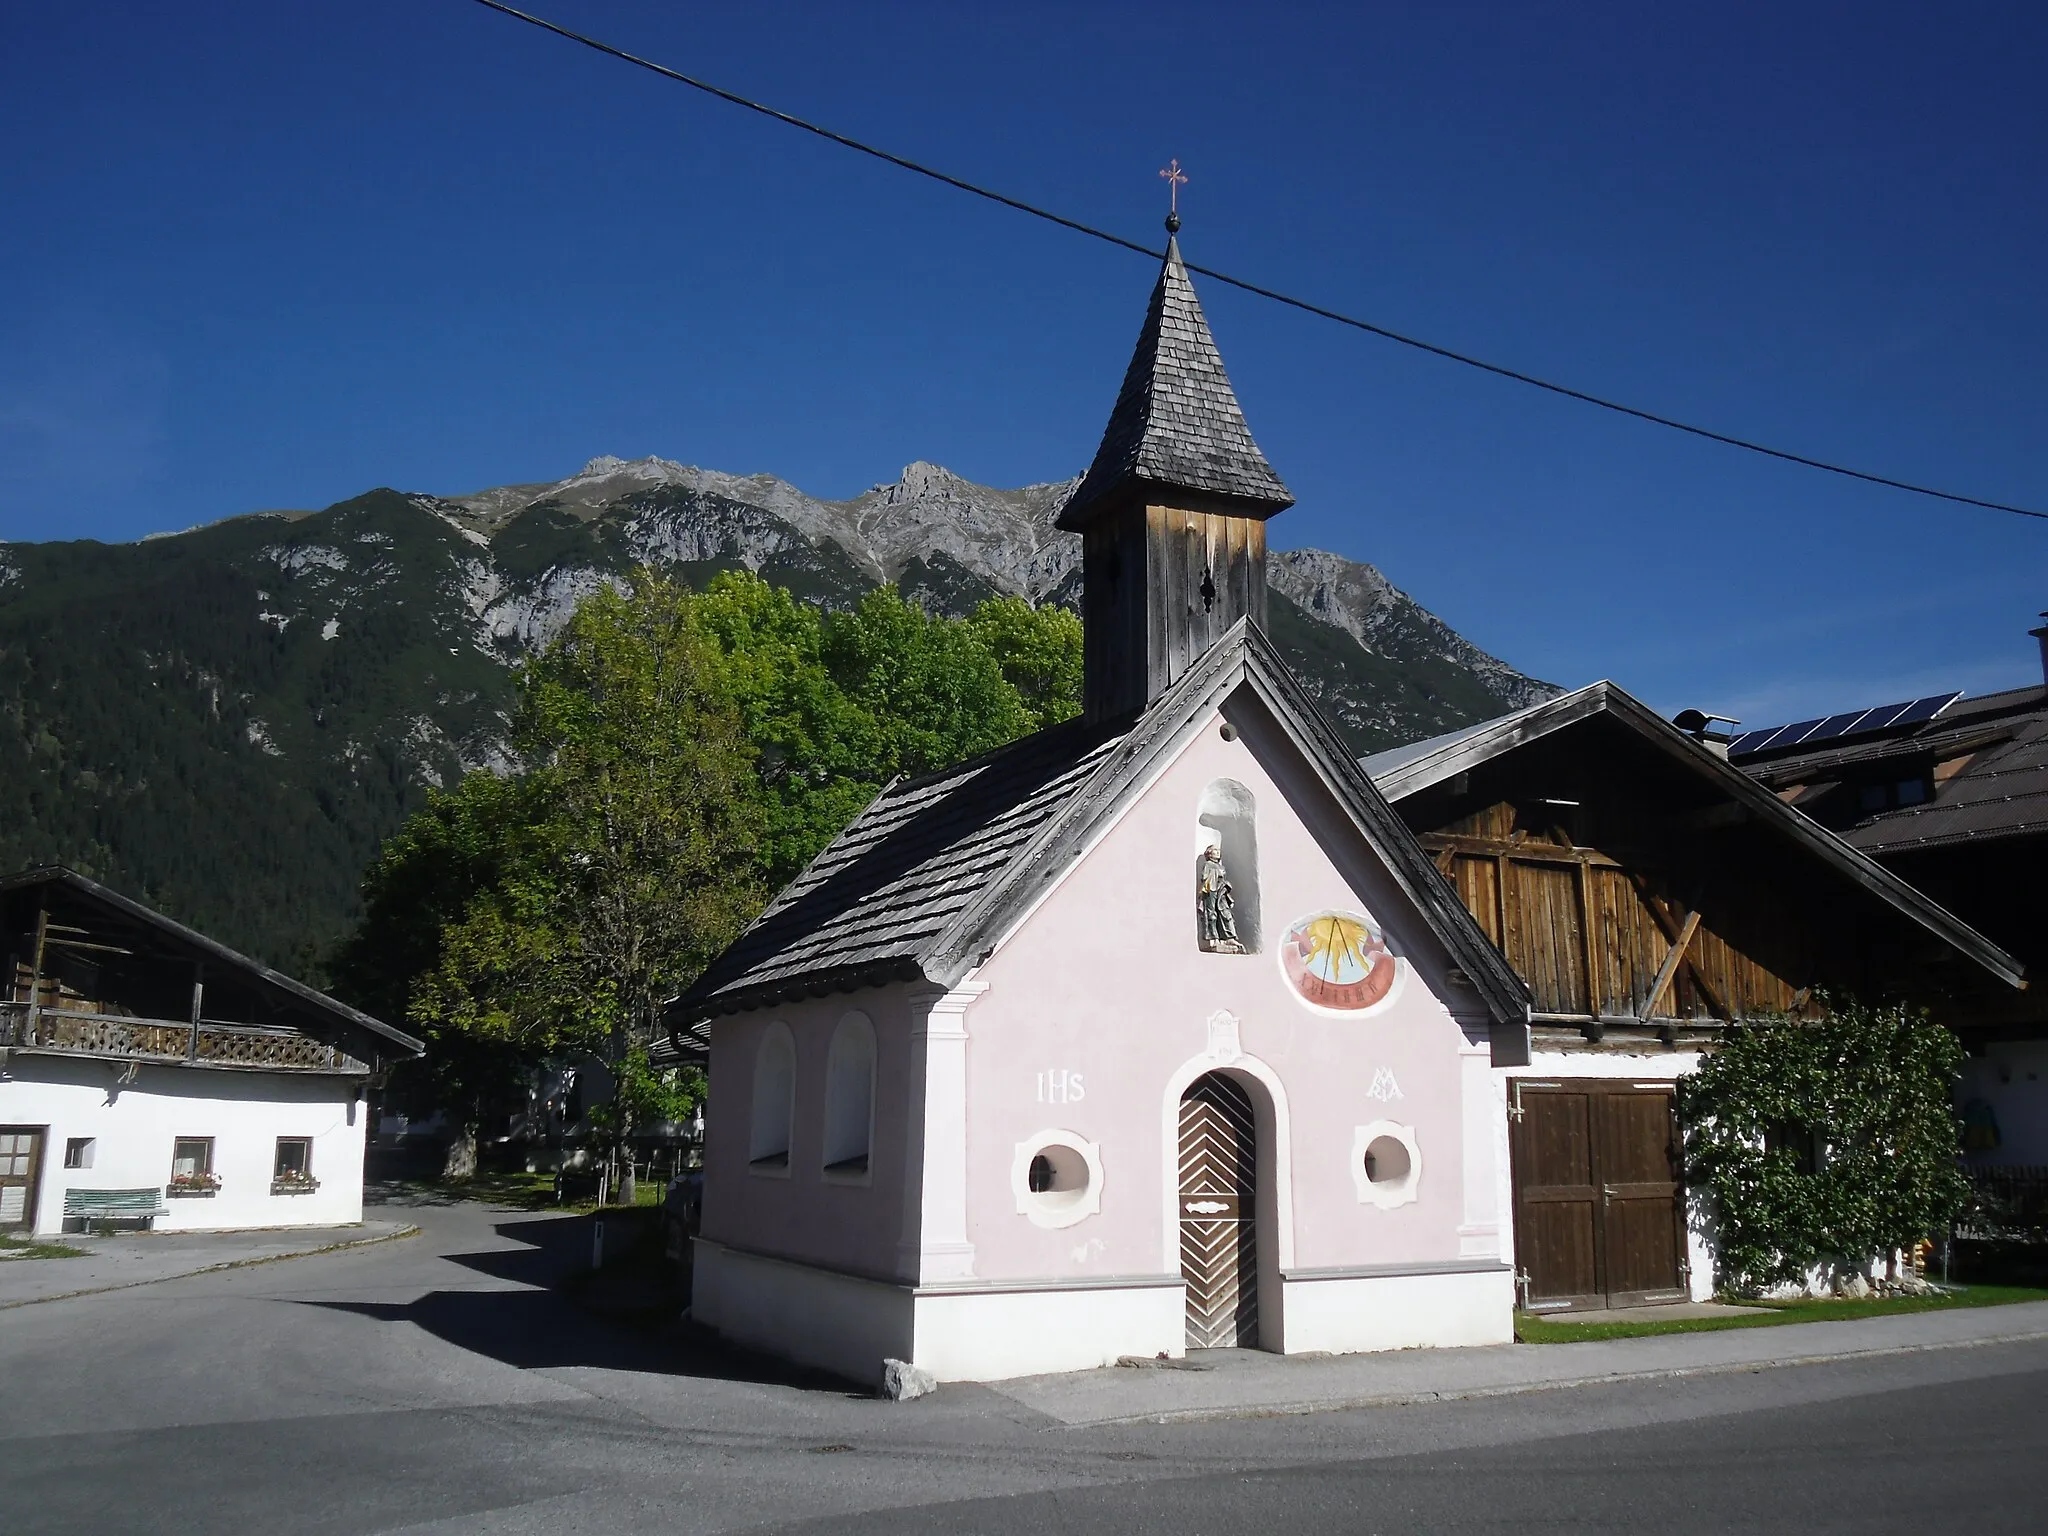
(849, 1325)
(988, 1335)
(1356, 1314)
(839, 1323)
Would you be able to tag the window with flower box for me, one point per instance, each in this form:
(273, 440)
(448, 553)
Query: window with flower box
(192, 1167)
(292, 1171)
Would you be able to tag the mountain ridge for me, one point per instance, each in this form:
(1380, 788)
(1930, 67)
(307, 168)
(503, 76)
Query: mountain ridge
(227, 720)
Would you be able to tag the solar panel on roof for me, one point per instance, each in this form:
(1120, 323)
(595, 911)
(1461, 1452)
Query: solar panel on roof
(1925, 709)
(1886, 714)
(1840, 727)
(1836, 725)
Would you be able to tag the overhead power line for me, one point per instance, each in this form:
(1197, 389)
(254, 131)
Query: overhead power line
(1451, 354)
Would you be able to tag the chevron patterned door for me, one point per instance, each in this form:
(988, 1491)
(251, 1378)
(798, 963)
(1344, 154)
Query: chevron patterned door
(1218, 1188)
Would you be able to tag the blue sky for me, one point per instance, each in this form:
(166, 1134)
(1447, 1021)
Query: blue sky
(264, 256)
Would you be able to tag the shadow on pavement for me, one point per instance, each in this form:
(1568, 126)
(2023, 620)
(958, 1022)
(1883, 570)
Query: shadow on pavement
(543, 1328)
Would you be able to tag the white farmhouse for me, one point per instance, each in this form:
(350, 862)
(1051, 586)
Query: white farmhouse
(148, 1073)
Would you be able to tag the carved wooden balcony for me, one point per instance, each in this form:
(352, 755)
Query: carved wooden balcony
(169, 1042)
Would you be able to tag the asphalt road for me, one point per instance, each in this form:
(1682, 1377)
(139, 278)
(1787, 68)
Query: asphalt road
(433, 1386)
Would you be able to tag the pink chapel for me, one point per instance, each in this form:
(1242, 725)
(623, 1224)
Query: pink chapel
(1156, 1030)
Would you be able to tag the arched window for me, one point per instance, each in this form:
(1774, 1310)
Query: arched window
(850, 1098)
(1227, 870)
(774, 1101)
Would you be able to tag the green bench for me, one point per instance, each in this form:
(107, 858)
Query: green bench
(90, 1205)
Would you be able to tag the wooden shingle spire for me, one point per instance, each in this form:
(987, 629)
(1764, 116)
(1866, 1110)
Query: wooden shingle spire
(1177, 423)
(1172, 513)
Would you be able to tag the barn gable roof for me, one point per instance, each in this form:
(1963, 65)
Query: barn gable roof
(932, 875)
(1404, 771)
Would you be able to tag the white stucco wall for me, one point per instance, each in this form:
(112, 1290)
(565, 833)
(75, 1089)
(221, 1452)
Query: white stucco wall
(133, 1127)
(1104, 981)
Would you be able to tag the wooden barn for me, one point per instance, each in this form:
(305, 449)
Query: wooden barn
(1649, 893)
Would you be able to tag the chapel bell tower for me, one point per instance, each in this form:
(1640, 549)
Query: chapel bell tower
(1172, 513)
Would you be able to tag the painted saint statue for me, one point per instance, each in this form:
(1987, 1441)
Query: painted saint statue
(1215, 905)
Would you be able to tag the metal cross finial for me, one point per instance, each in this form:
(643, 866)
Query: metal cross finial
(1175, 179)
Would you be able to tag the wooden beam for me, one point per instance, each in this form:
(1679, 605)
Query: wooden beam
(198, 996)
(35, 970)
(1531, 852)
(1589, 947)
(1670, 926)
(1671, 964)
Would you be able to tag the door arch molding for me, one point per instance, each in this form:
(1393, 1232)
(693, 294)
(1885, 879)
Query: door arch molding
(1276, 1155)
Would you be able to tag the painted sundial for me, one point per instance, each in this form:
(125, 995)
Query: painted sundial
(1338, 960)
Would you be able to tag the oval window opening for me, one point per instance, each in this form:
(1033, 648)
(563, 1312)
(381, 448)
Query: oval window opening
(1387, 1161)
(1059, 1177)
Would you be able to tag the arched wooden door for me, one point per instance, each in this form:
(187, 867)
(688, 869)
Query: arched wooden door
(1219, 1146)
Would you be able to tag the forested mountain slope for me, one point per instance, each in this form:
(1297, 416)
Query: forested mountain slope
(227, 722)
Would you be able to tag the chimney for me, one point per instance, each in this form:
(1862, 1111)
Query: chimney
(1713, 732)
(1172, 512)
(2041, 635)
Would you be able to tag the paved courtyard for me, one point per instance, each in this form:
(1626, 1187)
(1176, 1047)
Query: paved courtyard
(434, 1384)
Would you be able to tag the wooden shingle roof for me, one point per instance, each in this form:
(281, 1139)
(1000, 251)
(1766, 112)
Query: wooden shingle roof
(874, 903)
(1177, 423)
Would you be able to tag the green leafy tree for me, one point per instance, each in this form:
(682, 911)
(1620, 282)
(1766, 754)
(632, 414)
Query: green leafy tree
(623, 859)
(818, 753)
(1039, 652)
(425, 879)
(1828, 1143)
(935, 693)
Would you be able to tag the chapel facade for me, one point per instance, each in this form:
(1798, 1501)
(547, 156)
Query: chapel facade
(1155, 1030)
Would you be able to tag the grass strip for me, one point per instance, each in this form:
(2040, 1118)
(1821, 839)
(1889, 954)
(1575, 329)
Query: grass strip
(1532, 1329)
(29, 1248)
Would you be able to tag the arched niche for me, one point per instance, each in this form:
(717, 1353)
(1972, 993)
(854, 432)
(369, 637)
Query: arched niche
(1227, 821)
(850, 1099)
(774, 1105)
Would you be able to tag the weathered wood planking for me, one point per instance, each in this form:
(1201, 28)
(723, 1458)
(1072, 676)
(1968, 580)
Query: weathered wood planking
(1176, 578)
(1589, 929)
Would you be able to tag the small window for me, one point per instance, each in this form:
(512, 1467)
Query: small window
(1387, 1161)
(1386, 1164)
(1911, 791)
(291, 1172)
(192, 1166)
(1871, 797)
(774, 1101)
(1057, 1178)
(1803, 1144)
(78, 1152)
(850, 1098)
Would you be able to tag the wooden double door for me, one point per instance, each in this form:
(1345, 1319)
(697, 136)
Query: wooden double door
(1219, 1153)
(1599, 1205)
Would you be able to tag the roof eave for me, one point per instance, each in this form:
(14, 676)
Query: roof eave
(336, 1010)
